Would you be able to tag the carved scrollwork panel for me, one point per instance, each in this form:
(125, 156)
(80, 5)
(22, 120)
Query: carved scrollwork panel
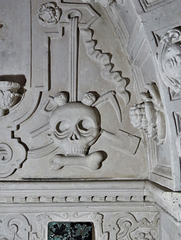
(130, 228)
(14, 227)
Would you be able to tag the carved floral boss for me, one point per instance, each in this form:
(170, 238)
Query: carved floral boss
(75, 127)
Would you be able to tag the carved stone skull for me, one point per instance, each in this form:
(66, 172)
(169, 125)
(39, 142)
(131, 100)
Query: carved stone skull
(75, 127)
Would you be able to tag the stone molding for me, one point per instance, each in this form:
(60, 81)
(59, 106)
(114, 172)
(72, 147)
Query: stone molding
(64, 192)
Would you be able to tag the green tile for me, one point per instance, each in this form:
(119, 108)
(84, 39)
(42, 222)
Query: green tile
(70, 231)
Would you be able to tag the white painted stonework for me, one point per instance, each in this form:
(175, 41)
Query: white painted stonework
(90, 117)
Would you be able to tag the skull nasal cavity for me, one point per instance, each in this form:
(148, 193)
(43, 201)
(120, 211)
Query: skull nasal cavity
(74, 136)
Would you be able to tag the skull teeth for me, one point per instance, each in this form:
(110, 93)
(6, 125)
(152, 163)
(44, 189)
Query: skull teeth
(76, 151)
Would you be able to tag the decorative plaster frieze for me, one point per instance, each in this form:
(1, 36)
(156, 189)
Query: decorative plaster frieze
(149, 115)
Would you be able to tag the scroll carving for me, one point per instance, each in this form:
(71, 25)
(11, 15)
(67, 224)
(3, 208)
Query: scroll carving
(169, 55)
(14, 227)
(12, 156)
(149, 115)
(129, 228)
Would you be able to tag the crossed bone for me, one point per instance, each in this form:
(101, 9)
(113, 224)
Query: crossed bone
(92, 161)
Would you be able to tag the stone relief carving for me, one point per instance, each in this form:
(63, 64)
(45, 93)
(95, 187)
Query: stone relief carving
(79, 18)
(169, 55)
(149, 115)
(74, 19)
(129, 228)
(75, 127)
(104, 59)
(14, 227)
(9, 96)
(49, 14)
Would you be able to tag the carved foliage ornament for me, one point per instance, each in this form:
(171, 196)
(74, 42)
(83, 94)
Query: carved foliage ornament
(169, 55)
(149, 115)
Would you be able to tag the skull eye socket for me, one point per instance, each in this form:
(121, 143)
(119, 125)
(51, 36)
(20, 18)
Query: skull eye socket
(62, 127)
(85, 125)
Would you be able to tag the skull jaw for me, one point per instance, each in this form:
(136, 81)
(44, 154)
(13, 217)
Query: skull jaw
(75, 150)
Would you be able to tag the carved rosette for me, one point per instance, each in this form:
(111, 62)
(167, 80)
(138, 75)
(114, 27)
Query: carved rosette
(149, 116)
(49, 14)
(9, 96)
(169, 56)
